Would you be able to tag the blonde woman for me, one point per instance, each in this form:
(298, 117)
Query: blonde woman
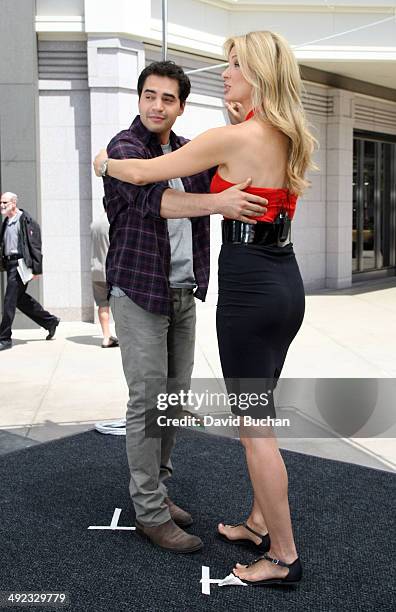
(261, 295)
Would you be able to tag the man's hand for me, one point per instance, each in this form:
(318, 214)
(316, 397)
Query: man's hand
(234, 203)
(35, 276)
(236, 112)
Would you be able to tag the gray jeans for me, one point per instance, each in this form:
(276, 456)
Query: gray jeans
(159, 350)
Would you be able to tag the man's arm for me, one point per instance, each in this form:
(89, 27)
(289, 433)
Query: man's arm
(145, 199)
(33, 238)
(233, 203)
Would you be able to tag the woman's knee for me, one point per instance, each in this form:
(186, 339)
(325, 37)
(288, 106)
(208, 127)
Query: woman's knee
(259, 441)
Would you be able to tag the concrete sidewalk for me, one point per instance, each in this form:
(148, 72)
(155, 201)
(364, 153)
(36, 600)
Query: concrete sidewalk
(53, 389)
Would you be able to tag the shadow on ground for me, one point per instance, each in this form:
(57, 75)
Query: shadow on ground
(87, 340)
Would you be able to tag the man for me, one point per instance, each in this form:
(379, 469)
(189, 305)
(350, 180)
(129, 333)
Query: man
(158, 256)
(20, 254)
(99, 249)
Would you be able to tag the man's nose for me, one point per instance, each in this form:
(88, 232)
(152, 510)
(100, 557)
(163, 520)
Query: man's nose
(158, 104)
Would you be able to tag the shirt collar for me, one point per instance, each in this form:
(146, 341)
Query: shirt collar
(15, 219)
(148, 137)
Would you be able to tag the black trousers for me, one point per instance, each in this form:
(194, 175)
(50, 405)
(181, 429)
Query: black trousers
(16, 297)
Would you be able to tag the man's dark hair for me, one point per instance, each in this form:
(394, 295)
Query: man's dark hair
(170, 70)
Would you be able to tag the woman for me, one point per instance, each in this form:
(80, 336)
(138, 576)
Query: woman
(261, 294)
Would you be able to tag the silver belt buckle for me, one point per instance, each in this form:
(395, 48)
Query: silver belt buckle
(283, 223)
(285, 242)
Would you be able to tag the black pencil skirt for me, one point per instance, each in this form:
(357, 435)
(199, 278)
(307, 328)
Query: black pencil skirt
(260, 310)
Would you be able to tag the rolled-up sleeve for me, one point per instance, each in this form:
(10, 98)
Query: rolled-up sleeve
(145, 199)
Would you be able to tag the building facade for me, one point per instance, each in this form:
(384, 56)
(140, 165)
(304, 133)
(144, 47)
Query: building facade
(68, 81)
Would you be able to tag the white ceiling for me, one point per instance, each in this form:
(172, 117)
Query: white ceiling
(315, 3)
(376, 72)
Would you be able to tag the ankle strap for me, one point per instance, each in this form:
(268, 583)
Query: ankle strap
(272, 560)
(278, 561)
(252, 530)
(275, 561)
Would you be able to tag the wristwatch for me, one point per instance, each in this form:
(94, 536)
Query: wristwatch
(103, 168)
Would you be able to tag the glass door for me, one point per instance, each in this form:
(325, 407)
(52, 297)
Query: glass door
(373, 221)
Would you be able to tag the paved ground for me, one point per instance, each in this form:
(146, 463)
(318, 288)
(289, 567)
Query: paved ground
(53, 389)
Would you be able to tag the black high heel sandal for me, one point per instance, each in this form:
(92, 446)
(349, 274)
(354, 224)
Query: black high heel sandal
(264, 545)
(291, 579)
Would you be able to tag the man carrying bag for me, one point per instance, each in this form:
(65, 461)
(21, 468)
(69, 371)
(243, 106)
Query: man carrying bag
(21, 258)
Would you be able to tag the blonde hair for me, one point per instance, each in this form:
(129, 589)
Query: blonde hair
(270, 67)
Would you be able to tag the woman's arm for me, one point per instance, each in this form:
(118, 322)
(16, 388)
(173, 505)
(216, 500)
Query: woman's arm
(210, 149)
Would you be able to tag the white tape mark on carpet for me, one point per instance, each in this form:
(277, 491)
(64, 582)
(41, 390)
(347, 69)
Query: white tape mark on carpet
(206, 580)
(114, 523)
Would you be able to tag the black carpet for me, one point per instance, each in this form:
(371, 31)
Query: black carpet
(343, 518)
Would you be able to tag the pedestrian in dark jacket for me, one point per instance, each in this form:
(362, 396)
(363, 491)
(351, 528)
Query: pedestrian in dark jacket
(21, 258)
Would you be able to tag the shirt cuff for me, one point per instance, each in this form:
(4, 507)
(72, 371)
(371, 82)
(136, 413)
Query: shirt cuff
(154, 198)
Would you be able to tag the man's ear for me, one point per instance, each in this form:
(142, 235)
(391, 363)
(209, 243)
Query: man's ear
(182, 107)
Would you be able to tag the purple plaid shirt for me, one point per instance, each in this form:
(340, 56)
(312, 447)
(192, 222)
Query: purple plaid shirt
(138, 260)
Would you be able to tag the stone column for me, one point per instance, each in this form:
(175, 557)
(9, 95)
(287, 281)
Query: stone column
(114, 65)
(19, 135)
(339, 190)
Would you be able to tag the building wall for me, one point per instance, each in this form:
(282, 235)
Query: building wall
(65, 159)
(374, 114)
(19, 142)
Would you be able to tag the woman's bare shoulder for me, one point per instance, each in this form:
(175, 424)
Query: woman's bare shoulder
(226, 131)
(221, 139)
(264, 135)
(248, 133)
(234, 135)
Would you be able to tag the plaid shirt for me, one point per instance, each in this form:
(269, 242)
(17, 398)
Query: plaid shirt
(138, 260)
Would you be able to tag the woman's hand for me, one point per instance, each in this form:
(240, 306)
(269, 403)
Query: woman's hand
(236, 112)
(99, 160)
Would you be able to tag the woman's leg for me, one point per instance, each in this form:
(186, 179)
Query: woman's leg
(255, 520)
(270, 484)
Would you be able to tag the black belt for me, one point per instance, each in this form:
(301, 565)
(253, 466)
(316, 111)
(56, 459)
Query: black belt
(12, 257)
(261, 233)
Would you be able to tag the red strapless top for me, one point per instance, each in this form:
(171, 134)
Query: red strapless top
(278, 199)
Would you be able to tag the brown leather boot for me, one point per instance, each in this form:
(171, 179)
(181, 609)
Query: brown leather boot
(180, 516)
(171, 537)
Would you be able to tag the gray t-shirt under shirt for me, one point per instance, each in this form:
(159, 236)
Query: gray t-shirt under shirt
(180, 237)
